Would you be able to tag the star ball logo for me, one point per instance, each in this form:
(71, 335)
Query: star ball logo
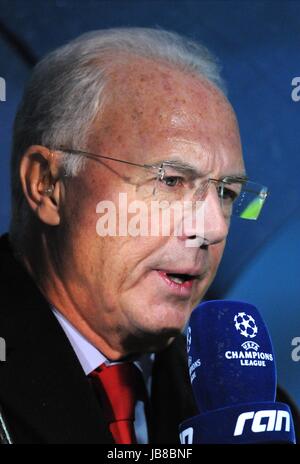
(245, 325)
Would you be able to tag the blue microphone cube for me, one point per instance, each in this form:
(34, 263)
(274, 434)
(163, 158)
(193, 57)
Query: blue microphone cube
(233, 375)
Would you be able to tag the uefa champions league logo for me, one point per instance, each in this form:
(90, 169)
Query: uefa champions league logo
(188, 339)
(245, 325)
(193, 366)
(251, 355)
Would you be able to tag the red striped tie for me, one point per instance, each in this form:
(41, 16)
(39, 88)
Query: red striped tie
(120, 386)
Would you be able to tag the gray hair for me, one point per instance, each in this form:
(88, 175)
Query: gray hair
(67, 91)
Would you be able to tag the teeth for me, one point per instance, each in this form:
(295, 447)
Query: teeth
(177, 280)
(180, 278)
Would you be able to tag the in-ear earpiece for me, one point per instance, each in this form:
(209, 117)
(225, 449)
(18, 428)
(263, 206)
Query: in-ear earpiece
(49, 190)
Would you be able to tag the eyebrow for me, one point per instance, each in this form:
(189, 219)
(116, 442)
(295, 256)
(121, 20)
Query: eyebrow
(185, 166)
(178, 164)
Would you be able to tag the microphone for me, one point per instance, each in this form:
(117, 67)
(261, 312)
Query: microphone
(233, 376)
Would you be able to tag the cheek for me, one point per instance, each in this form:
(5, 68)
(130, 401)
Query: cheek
(130, 258)
(123, 259)
(216, 255)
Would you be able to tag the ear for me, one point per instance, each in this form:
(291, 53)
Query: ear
(39, 174)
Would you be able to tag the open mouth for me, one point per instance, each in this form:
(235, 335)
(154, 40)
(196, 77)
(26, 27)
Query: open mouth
(180, 283)
(180, 278)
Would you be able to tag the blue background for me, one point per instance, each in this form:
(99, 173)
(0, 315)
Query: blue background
(258, 43)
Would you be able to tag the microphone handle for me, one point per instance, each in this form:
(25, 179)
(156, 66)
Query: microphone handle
(247, 423)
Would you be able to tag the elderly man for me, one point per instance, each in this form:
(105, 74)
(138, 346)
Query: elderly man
(136, 114)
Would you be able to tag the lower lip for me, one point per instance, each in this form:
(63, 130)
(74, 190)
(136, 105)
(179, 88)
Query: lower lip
(184, 289)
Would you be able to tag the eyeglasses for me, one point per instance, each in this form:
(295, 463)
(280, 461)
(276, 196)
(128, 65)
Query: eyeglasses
(173, 180)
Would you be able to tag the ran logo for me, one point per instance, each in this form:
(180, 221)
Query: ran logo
(186, 436)
(273, 422)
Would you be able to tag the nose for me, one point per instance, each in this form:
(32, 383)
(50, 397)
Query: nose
(216, 226)
(205, 223)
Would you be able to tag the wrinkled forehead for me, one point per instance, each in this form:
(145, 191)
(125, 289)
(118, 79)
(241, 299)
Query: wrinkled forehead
(149, 105)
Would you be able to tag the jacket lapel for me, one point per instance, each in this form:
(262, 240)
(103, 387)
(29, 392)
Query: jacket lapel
(44, 392)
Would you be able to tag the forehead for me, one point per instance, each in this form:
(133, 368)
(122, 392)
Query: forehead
(152, 109)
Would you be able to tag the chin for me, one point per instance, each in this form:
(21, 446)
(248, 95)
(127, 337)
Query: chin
(149, 342)
(170, 319)
(153, 334)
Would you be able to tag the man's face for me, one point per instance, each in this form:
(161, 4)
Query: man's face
(121, 284)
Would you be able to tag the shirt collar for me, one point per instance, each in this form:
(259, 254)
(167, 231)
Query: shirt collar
(89, 357)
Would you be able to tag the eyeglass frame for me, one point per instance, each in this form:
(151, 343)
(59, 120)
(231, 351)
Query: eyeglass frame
(159, 169)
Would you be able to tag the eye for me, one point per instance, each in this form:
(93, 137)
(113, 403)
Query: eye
(227, 194)
(172, 181)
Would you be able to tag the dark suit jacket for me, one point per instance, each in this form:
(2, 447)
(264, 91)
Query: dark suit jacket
(45, 395)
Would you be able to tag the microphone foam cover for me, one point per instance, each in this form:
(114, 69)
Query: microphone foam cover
(230, 355)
